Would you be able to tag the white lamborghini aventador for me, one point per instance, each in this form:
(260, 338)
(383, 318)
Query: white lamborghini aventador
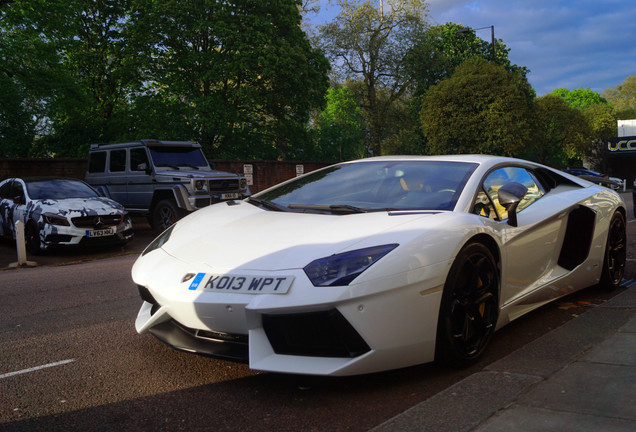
(378, 263)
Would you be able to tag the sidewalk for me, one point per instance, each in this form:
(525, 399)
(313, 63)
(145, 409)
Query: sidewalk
(579, 377)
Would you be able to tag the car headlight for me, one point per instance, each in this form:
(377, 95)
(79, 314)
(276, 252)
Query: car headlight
(159, 241)
(200, 185)
(55, 219)
(341, 269)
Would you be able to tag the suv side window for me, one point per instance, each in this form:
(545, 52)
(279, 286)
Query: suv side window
(97, 162)
(138, 156)
(117, 160)
(500, 177)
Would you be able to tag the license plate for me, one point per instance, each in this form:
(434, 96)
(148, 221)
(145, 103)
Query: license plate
(241, 284)
(230, 195)
(100, 232)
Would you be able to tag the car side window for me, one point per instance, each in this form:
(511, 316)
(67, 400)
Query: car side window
(484, 207)
(117, 160)
(5, 191)
(17, 192)
(138, 156)
(501, 176)
(97, 162)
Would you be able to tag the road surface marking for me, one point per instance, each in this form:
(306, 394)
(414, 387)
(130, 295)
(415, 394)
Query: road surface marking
(36, 368)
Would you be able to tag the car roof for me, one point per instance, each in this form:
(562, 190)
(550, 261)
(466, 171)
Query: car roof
(145, 142)
(471, 158)
(43, 178)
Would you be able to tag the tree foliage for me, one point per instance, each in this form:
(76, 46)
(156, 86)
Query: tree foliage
(579, 98)
(560, 132)
(372, 41)
(247, 92)
(623, 98)
(341, 126)
(481, 108)
(241, 77)
(444, 47)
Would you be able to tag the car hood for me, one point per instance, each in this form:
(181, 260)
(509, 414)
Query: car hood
(185, 173)
(226, 237)
(77, 206)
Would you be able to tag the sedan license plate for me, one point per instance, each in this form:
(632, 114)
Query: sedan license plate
(230, 195)
(100, 232)
(241, 283)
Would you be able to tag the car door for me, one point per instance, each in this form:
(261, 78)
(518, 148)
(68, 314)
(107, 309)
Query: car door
(117, 175)
(530, 249)
(139, 179)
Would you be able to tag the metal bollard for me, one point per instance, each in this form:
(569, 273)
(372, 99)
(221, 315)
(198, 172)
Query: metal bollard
(20, 243)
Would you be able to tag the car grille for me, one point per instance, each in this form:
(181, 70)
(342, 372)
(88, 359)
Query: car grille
(96, 221)
(226, 185)
(318, 334)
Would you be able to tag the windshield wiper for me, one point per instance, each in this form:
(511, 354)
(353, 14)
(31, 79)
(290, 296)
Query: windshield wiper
(267, 204)
(169, 166)
(340, 208)
(189, 166)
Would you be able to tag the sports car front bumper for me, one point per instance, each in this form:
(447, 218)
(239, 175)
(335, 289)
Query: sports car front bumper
(368, 327)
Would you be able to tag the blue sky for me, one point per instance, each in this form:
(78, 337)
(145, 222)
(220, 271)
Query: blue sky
(565, 43)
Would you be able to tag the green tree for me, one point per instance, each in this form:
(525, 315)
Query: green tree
(623, 98)
(481, 108)
(17, 128)
(371, 41)
(79, 62)
(586, 141)
(244, 71)
(601, 121)
(444, 47)
(33, 80)
(341, 126)
(579, 98)
(560, 132)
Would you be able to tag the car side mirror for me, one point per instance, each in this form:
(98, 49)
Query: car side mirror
(144, 167)
(510, 195)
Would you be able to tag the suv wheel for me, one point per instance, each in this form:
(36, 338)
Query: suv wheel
(165, 214)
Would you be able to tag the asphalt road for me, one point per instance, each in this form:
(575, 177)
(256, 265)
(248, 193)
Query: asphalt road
(70, 360)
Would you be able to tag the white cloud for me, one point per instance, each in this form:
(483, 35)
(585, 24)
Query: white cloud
(570, 44)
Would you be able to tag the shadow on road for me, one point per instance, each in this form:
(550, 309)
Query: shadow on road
(144, 234)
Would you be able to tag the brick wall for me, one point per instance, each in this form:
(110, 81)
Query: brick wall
(263, 173)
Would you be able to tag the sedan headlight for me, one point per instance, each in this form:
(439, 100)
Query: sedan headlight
(55, 219)
(159, 241)
(341, 269)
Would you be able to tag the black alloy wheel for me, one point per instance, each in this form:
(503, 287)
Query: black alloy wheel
(469, 307)
(615, 253)
(165, 214)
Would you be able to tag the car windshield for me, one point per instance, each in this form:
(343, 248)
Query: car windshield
(178, 156)
(373, 186)
(59, 189)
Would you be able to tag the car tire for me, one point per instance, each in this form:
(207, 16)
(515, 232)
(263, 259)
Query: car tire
(165, 213)
(469, 308)
(615, 253)
(32, 239)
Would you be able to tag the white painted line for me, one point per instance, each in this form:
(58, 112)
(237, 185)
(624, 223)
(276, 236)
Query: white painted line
(37, 368)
